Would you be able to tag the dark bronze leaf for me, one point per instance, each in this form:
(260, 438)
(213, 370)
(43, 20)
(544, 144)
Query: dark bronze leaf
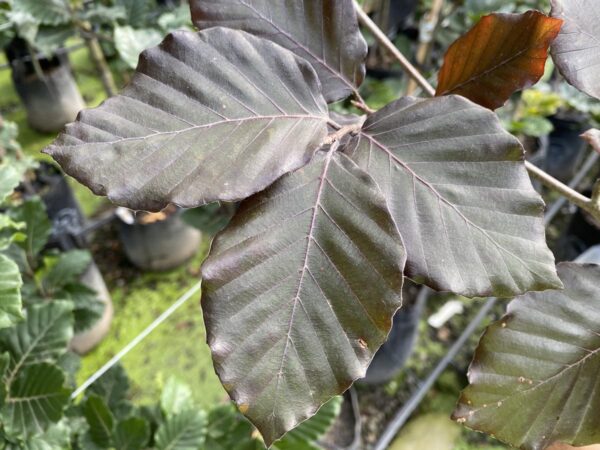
(576, 50)
(216, 115)
(458, 190)
(324, 32)
(300, 291)
(535, 379)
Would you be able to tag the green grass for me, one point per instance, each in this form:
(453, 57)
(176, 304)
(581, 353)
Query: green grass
(176, 348)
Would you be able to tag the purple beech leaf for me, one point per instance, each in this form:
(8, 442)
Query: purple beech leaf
(535, 379)
(324, 32)
(576, 50)
(300, 291)
(209, 116)
(458, 190)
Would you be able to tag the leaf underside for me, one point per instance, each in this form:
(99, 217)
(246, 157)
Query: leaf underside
(576, 50)
(458, 190)
(318, 254)
(209, 116)
(502, 54)
(324, 32)
(534, 379)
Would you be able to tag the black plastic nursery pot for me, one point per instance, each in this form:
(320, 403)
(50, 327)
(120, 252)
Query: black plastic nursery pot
(392, 355)
(565, 148)
(158, 242)
(582, 233)
(67, 221)
(51, 98)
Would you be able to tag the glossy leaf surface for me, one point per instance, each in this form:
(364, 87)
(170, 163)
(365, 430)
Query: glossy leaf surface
(576, 50)
(183, 431)
(10, 292)
(534, 379)
(300, 290)
(132, 434)
(460, 195)
(209, 116)
(324, 32)
(502, 54)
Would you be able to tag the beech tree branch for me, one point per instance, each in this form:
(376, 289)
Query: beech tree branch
(591, 206)
(389, 45)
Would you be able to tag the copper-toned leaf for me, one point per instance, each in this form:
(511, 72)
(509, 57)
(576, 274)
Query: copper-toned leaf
(502, 54)
(535, 378)
(576, 50)
(300, 291)
(460, 195)
(209, 116)
(324, 32)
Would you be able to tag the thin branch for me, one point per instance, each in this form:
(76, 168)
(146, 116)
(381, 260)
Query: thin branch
(343, 131)
(596, 196)
(389, 45)
(362, 106)
(589, 205)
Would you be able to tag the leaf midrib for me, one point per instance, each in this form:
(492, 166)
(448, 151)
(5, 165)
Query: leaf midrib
(321, 61)
(208, 125)
(439, 197)
(304, 269)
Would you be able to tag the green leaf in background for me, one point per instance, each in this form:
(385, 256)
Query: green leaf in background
(113, 388)
(177, 19)
(10, 293)
(87, 308)
(50, 38)
(100, 421)
(66, 269)
(38, 227)
(532, 126)
(131, 42)
(100, 14)
(183, 431)
(211, 218)
(137, 11)
(25, 23)
(4, 362)
(43, 336)
(57, 437)
(228, 429)
(176, 397)
(45, 12)
(132, 434)
(9, 180)
(535, 380)
(36, 399)
(307, 434)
